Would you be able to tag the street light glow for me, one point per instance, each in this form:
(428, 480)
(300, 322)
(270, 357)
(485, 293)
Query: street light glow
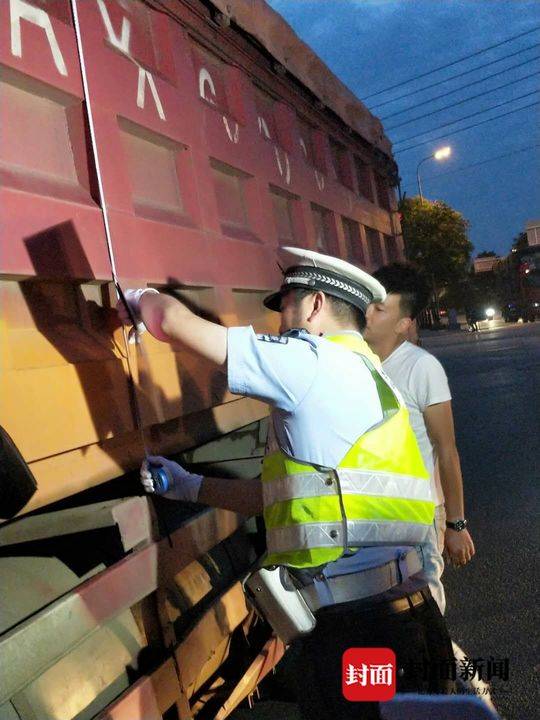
(442, 153)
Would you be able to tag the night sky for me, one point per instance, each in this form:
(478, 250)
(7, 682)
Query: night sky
(373, 44)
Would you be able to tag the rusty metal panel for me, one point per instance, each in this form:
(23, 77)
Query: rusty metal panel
(149, 698)
(88, 466)
(131, 515)
(8, 712)
(88, 677)
(37, 643)
(30, 583)
(206, 167)
(50, 351)
(206, 646)
(34, 645)
(42, 93)
(266, 660)
(258, 19)
(138, 703)
(209, 158)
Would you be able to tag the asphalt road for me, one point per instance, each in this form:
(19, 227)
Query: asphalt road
(494, 380)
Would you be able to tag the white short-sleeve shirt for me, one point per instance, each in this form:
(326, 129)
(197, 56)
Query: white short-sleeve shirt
(422, 382)
(323, 395)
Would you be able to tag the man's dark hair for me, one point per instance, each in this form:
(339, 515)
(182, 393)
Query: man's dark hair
(408, 282)
(343, 311)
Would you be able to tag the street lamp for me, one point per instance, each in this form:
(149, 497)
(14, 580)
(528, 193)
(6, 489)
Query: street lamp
(440, 154)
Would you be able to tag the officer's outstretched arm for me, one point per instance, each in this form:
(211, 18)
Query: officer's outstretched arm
(236, 494)
(240, 495)
(171, 321)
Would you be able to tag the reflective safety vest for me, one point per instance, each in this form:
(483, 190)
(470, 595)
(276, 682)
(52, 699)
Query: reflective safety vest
(379, 494)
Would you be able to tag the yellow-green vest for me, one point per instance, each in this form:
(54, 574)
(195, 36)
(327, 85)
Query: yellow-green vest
(379, 494)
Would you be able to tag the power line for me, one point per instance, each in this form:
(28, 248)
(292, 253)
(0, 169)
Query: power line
(454, 62)
(469, 127)
(466, 117)
(454, 77)
(460, 102)
(461, 87)
(476, 164)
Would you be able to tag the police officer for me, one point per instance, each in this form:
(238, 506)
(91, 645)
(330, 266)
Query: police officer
(344, 491)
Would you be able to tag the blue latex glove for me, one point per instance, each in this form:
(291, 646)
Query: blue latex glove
(182, 485)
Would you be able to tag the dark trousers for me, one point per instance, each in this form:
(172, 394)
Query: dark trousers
(417, 635)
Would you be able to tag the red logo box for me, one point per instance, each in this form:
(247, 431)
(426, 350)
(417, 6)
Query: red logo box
(368, 674)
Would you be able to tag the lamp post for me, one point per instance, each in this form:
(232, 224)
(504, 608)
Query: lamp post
(440, 154)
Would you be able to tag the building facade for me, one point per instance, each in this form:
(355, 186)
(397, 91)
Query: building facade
(532, 228)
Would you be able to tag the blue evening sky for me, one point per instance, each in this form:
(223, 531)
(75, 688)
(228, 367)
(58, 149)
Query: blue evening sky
(372, 44)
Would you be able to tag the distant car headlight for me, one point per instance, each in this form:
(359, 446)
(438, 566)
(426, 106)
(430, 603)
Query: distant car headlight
(490, 313)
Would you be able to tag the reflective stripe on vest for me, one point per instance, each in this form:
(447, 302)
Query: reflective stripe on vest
(330, 535)
(378, 495)
(352, 482)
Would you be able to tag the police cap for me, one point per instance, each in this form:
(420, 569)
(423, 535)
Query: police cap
(315, 271)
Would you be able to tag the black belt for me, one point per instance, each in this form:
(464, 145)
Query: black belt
(406, 603)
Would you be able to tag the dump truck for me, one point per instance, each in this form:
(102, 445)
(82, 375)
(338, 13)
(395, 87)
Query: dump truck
(175, 144)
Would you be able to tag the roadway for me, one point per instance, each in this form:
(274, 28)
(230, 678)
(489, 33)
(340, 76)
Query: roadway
(494, 381)
(495, 386)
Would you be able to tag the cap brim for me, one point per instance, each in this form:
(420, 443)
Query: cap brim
(273, 301)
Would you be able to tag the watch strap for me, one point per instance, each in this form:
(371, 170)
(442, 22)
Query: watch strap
(457, 525)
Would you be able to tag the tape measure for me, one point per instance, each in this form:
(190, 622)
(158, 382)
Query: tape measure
(159, 474)
(160, 478)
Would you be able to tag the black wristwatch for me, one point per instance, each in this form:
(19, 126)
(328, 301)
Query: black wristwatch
(458, 525)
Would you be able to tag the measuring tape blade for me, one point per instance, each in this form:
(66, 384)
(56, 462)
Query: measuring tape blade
(159, 474)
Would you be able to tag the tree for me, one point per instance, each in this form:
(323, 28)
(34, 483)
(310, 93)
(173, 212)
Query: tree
(487, 253)
(507, 271)
(520, 241)
(436, 240)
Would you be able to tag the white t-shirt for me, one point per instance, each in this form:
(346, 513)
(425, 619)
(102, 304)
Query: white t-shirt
(422, 382)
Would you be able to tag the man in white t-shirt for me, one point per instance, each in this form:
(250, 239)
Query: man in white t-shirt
(422, 381)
